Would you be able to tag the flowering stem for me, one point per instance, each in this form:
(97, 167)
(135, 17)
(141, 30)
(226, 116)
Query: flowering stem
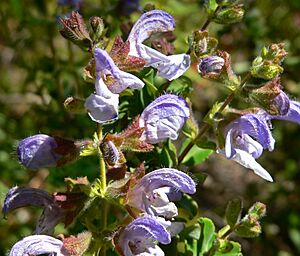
(206, 126)
(101, 162)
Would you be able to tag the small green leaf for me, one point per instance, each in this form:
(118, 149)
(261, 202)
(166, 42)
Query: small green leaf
(187, 207)
(233, 211)
(248, 228)
(211, 6)
(228, 248)
(181, 86)
(148, 78)
(169, 154)
(208, 235)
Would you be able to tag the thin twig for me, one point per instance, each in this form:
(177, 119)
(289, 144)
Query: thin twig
(206, 126)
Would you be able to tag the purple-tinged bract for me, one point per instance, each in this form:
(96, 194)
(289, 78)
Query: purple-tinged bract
(163, 118)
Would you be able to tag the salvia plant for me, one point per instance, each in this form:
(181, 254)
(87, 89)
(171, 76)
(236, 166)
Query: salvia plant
(138, 101)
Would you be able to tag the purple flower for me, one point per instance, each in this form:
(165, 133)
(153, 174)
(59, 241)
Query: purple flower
(292, 115)
(139, 237)
(38, 151)
(37, 245)
(282, 103)
(154, 192)
(20, 197)
(110, 81)
(211, 65)
(245, 139)
(163, 118)
(169, 67)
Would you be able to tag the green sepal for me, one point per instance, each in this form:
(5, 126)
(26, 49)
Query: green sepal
(230, 14)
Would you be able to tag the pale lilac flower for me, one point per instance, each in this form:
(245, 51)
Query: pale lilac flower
(154, 192)
(110, 81)
(245, 139)
(37, 245)
(139, 237)
(211, 65)
(163, 118)
(38, 151)
(169, 67)
(20, 197)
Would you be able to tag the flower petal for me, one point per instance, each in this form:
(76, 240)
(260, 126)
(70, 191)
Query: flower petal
(165, 177)
(103, 106)
(104, 63)
(248, 161)
(163, 118)
(140, 230)
(293, 115)
(150, 22)
(20, 197)
(122, 80)
(37, 151)
(255, 126)
(37, 245)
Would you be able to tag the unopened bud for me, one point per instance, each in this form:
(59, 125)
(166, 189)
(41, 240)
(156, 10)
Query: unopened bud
(74, 105)
(74, 30)
(110, 152)
(211, 65)
(265, 70)
(271, 97)
(257, 211)
(40, 151)
(230, 14)
(268, 64)
(97, 26)
(201, 44)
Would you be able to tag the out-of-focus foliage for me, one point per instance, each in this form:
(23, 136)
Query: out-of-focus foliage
(39, 70)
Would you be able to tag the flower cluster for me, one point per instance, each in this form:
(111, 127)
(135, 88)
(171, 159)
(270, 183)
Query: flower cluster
(111, 81)
(153, 195)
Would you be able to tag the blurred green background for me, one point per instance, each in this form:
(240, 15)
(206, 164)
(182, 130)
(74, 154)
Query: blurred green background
(39, 69)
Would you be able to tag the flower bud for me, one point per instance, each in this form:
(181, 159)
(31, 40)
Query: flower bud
(110, 152)
(271, 98)
(265, 69)
(41, 150)
(202, 44)
(268, 64)
(257, 211)
(97, 26)
(74, 30)
(163, 118)
(74, 105)
(229, 15)
(211, 65)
